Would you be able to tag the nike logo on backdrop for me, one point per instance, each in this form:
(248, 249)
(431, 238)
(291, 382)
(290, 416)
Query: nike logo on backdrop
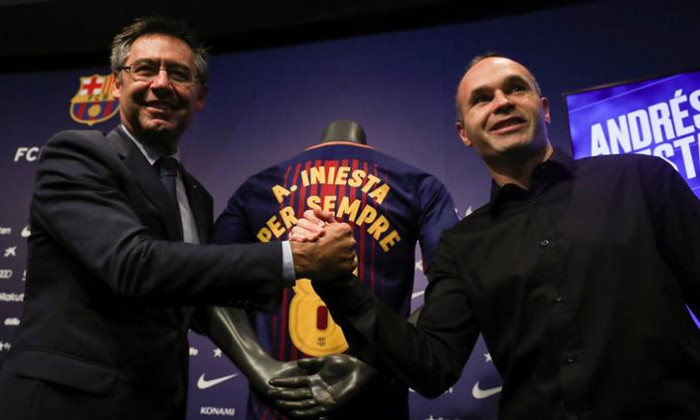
(204, 383)
(480, 394)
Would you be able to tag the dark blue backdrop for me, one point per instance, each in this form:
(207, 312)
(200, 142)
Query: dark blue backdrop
(266, 105)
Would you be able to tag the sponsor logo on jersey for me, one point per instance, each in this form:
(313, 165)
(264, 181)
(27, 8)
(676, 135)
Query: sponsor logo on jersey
(94, 102)
(203, 383)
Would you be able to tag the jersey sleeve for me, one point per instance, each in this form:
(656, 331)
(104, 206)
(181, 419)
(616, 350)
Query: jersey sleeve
(437, 214)
(232, 225)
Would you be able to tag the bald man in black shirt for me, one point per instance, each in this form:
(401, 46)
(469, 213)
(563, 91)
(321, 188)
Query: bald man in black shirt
(577, 273)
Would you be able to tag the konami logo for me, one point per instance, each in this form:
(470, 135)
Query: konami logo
(217, 411)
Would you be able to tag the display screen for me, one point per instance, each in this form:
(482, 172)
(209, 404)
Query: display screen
(658, 116)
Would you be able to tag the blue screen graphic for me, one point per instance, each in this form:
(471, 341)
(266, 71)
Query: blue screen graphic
(658, 116)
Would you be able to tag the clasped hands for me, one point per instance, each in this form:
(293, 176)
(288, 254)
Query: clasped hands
(323, 249)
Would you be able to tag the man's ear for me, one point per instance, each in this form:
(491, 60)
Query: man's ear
(117, 86)
(463, 134)
(202, 97)
(545, 106)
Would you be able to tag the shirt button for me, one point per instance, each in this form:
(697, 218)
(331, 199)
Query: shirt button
(557, 298)
(544, 243)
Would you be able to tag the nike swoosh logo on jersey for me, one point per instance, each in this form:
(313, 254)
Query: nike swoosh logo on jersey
(480, 394)
(208, 383)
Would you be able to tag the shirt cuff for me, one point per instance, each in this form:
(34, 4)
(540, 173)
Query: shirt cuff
(288, 273)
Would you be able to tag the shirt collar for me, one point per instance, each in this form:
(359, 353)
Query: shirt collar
(148, 152)
(339, 143)
(559, 166)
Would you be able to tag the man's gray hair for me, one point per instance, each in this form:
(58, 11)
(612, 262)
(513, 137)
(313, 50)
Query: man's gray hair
(121, 45)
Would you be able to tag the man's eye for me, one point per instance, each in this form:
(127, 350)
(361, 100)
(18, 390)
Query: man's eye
(518, 88)
(180, 75)
(479, 99)
(145, 70)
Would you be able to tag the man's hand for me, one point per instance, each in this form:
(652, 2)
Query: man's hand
(323, 250)
(332, 383)
(310, 227)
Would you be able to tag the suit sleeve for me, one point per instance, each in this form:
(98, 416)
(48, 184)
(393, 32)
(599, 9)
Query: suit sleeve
(429, 356)
(82, 203)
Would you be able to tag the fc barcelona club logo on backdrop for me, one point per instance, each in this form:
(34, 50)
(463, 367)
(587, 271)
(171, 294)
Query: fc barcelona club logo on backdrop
(94, 102)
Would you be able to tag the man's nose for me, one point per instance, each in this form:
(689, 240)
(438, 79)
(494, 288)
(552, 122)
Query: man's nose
(162, 79)
(502, 101)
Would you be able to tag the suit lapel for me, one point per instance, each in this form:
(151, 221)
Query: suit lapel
(149, 182)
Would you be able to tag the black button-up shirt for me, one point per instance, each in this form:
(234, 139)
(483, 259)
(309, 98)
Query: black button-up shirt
(579, 286)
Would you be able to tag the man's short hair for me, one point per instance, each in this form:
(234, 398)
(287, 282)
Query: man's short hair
(476, 60)
(121, 44)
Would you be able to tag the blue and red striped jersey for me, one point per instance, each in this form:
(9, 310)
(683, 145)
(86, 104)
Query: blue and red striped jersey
(390, 205)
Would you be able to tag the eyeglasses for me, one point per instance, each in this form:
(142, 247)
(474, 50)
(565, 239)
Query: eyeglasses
(146, 72)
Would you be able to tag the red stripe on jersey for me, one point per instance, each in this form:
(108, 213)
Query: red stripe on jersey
(283, 325)
(363, 228)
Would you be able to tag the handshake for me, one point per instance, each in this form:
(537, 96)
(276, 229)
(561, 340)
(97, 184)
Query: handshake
(323, 249)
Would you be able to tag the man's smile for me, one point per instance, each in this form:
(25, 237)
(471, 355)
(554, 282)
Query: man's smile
(507, 125)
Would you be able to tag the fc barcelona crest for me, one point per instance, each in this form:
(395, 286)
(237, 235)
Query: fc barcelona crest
(94, 102)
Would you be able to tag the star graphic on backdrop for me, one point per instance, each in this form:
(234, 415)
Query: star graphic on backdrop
(488, 357)
(419, 265)
(217, 352)
(11, 251)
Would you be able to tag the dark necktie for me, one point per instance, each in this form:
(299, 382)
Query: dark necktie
(167, 168)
